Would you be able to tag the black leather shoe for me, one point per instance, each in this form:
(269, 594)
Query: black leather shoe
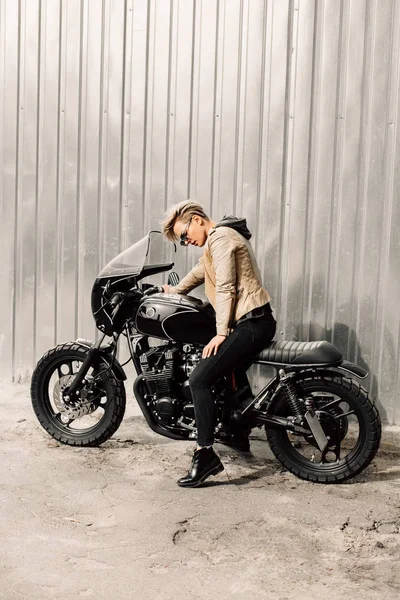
(204, 463)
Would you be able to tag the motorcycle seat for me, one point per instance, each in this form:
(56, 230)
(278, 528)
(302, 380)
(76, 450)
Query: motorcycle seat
(299, 354)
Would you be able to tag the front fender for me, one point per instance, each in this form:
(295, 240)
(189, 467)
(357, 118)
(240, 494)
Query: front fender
(117, 370)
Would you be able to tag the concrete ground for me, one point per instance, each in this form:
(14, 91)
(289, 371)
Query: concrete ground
(110, 522)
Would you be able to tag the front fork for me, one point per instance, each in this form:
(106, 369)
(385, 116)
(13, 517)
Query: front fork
(297, 409)
(90, 359)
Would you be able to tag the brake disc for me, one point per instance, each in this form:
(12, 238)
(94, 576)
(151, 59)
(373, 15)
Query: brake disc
(71, 411)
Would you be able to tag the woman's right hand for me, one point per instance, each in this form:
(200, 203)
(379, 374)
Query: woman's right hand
(166, 288)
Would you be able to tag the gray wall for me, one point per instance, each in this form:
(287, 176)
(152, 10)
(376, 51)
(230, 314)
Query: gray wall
(283, 111)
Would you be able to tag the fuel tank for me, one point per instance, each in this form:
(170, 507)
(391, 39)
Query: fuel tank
(175, 317)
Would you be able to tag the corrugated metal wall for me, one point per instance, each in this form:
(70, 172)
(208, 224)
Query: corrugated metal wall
(283, 111)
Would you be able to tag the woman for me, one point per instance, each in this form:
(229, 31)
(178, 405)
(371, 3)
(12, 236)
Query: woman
(244, 318)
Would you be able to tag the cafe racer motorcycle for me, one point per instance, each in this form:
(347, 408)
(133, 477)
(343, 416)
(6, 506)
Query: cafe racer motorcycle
(320, 423)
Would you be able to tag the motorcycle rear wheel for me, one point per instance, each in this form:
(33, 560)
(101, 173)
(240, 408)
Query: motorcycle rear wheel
(359, 432)
(96, 418)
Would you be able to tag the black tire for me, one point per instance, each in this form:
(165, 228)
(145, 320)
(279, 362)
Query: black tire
(110, 393)
(365, 447)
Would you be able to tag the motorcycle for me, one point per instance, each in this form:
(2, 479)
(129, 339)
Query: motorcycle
(321, 425)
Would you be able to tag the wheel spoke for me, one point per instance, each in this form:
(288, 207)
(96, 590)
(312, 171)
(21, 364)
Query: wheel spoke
(65, 422)
(337, 417)
(330, 404)
(71, 367)
(335, 450)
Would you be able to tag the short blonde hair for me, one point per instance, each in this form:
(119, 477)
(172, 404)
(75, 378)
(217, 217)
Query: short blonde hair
(183, 211)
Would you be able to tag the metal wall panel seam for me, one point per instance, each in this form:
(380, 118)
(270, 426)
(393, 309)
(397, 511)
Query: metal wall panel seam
(100, 145)
(314, 166)
(250, 109)
(80, 170)
(63, 88)
(216, 109)
(383, 242)
(187, 259)
(194, 104)
(282, 295)
(104, 127)
(171, 101)
(182, 100)
(125, 137)
(240, 106)
(108, 123)
(126, 121)
(390, 157)
(147, 165)
(146, 109)
(200, 55)
(6, 303)
(326, 127)
(122, 349)
(312, 174)
(4, 298)
(350, 354)
(135, 103)
(218, 116)
(364, 162)
(57, 250)
(263, 138)
(2, 105)
(124, 128)
(337, 170)
(17, 245)
(47, 200)
(40, 173)
(16, 200)
(192, 71)
(265, 75)
(395, 106)
(396, 394)
(99, 254)
(259, 211)
(39, 170)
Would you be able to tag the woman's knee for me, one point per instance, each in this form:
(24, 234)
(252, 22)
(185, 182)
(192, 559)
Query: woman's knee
(196, 381)
(199, 379)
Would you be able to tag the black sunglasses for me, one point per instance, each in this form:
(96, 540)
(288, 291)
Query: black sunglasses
(183, 237)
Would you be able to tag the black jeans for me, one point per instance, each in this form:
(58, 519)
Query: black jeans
(248, 338)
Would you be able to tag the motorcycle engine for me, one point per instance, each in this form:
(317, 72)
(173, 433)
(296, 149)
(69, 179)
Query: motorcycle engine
(191, 357)
(167, 371)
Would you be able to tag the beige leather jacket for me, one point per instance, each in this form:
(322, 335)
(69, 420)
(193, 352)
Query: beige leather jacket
(231, 275)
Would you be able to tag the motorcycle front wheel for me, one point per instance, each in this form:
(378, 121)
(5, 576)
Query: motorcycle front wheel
(97, 412)
(349, 419)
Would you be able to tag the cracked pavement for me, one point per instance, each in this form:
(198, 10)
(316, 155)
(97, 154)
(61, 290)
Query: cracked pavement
(110, 522)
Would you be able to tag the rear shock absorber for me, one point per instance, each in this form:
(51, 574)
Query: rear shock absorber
(291, 394)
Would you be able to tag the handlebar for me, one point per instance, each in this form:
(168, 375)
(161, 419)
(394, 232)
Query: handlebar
(155, 289)
(116, 300)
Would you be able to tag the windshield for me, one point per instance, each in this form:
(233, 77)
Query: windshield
(150, 250)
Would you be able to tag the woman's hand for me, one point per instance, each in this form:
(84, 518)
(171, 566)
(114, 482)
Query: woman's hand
(213, 345)
(166, 288)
